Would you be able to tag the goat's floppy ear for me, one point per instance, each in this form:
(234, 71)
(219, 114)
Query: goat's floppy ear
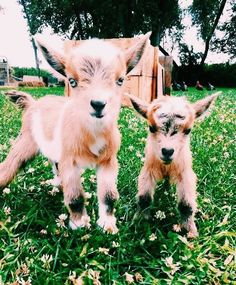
(55, 59)
(140, 106)
(203, 107)
(134, 53)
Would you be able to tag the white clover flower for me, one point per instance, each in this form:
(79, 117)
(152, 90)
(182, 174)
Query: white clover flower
(6, 191)
(54, 191)
(138, 154)
(21, 281)
(7, 211)
(129, 278)
(226, 154)
(177, 228)
(92, 178)
(82, 179)
(61, 220)
(31, 188)
(152, 237)
(31, 170)
(169, 263)
(46, 163)
(46, 259)
(103, 250)
(87, 195)
(43, 232)
(160, 215)
(131, 147)
(115, 244)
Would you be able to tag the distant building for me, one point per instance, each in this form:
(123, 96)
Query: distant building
(4, 71)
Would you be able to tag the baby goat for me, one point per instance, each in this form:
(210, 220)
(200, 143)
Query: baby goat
(168, 153)
(80, 131)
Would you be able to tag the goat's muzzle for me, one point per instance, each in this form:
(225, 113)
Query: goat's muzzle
(167, 155)
(98, 107)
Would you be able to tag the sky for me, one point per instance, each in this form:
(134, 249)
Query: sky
(15, 41)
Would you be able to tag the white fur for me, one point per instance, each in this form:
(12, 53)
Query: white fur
(97, 49)
(50, 148)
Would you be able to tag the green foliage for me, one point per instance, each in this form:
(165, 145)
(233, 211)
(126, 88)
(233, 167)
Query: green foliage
(103, 19)
(203, 14)
(35, 245)
(227, 43)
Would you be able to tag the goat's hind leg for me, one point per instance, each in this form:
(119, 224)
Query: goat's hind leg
(56, 180)
(23, 149)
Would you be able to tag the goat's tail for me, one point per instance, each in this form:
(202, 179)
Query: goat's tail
(21, 99)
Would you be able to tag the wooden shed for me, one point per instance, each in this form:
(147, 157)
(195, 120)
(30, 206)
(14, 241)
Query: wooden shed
(149, 79)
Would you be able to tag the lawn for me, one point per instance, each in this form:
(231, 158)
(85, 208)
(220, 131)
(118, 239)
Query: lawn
(36, 246)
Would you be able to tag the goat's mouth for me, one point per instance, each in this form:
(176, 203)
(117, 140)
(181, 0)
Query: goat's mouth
(166, 161)
(97, 115)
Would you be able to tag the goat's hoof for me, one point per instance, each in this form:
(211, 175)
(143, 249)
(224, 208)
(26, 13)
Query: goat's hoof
(83, 222)
(56, 181)
(108, 224)
(192, 234)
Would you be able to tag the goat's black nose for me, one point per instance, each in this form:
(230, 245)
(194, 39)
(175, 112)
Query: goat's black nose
(98, 105)
(167, 152)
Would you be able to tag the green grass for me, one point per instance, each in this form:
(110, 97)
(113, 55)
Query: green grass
(35, 248)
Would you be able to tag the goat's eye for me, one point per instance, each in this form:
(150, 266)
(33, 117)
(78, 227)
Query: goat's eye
(73, 82)
(174, 133)
(120, 81)
(187, 131)
(153, 129)
(180, 117)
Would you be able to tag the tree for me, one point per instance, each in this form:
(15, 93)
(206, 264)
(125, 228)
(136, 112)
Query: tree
(227, 43)
(32, 30)
(82, 19)
(206, 15)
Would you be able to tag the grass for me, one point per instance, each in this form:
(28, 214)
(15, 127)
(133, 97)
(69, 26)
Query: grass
(36, 247)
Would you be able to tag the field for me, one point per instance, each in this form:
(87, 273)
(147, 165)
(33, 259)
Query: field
(36, 246)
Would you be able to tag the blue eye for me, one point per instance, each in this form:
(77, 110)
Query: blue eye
(73, 82)
(120, 81)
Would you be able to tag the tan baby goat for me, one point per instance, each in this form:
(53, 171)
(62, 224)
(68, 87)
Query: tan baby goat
(168, 153)
(80, 131)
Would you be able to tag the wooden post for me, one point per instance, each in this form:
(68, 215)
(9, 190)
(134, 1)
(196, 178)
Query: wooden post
(167, 63)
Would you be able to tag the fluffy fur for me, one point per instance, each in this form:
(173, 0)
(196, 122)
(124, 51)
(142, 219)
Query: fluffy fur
(80, 131)
(168, 153)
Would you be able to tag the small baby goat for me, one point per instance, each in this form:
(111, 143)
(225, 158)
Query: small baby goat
(168, 153)
(80, 131)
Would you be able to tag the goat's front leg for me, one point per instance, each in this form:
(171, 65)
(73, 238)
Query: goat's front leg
(73, 194)
(146, 187)
(186, 189)
(107, 195)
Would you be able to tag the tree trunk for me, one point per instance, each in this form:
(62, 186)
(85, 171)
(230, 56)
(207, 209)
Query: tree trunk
(22, 2)
(208, 39)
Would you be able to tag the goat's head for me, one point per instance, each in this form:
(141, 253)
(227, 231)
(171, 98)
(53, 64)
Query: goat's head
(95, 70)
(170, 122)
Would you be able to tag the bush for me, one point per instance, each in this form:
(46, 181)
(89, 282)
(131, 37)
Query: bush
(47, 76)
(223, 74)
